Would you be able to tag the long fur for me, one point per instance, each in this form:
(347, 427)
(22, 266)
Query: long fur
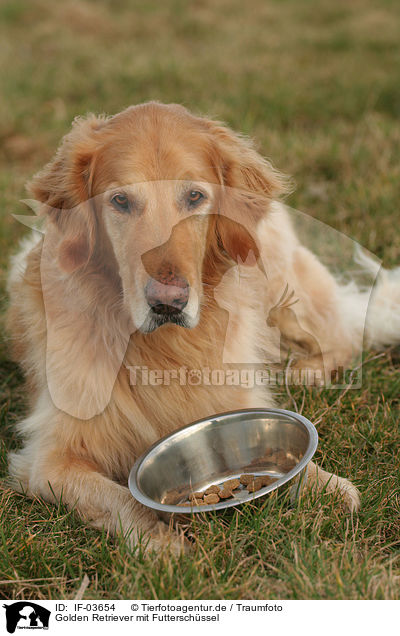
(82, 356)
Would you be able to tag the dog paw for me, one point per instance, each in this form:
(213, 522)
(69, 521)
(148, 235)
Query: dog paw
(165, 539)
(161, 539)
(349, 493)
(323, 481)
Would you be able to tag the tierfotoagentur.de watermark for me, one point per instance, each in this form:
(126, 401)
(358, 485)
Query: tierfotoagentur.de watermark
(244, 377)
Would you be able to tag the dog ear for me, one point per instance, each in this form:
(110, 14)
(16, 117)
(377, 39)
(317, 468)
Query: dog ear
(64, 186)
(241, 167)
(248, 184)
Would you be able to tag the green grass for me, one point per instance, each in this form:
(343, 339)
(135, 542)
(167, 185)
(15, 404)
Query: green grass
(318, 85)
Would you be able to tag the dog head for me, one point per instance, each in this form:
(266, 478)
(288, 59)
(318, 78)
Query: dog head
(156, 197)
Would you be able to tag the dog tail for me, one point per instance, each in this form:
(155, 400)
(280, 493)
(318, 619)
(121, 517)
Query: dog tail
(382, 326)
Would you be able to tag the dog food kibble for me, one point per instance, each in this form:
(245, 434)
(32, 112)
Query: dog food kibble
(246, 479)
(225, 494)
(173, 496)
(212, 490)
(196, 495)
(196, 502)
(212, 498)
(255, 485)
(266, 480)
(231, 484)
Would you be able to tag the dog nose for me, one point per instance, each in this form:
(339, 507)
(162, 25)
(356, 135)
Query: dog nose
(169, 297)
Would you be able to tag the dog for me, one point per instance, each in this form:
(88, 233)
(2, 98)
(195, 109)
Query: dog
(149, 216)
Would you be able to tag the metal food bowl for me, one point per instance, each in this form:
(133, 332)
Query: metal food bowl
(260, 442)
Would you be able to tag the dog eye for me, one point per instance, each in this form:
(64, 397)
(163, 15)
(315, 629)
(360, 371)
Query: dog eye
(194, 198)
(120, 202)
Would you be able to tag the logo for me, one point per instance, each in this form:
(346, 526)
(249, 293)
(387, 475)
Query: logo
(26, 615)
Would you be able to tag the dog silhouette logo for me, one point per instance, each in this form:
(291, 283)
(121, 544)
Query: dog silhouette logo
(26, 615)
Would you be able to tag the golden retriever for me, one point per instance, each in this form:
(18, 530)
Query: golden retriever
(165, 248)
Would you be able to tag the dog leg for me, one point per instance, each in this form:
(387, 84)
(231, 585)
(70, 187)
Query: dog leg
(98, 500)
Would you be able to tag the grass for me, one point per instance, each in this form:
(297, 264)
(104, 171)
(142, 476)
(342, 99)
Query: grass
(318, 85)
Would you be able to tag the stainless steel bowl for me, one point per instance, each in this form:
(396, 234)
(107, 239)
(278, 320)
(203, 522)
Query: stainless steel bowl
(221, 447)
